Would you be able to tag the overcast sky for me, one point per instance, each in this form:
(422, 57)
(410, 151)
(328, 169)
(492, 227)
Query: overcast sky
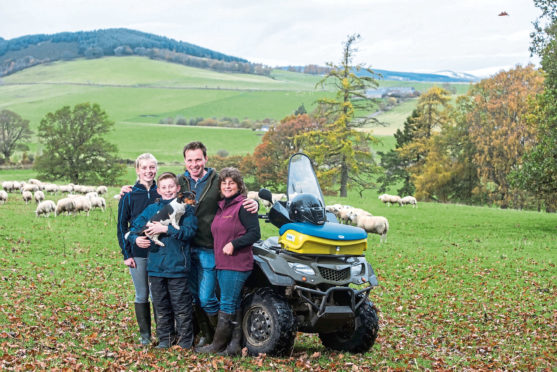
(398, 35)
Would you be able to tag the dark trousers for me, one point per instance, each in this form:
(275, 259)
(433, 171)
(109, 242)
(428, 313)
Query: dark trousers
(173, 307)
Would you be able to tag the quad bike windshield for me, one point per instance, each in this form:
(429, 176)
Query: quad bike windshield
(302, 178)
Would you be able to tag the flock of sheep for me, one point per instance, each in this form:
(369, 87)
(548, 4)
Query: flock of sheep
(88, 198)
(395, 199)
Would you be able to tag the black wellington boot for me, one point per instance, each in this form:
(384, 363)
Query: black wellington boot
(143, 316)
(235, 345)
(222, 336)
(206, 327)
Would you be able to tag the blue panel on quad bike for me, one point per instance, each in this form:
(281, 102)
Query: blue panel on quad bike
(333, 231)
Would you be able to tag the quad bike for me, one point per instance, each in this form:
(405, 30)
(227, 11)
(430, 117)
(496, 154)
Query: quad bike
(312, 278)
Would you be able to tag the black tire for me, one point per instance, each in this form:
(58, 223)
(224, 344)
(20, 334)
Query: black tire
(268, 324)
(355, 339)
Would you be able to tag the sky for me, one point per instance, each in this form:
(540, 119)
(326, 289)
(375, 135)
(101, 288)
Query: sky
(397, 35)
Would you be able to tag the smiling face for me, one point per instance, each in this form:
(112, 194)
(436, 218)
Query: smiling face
(168, 188)
(146, 172)
(228, 187)
(195, 163)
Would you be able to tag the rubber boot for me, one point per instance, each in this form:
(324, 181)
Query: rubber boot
(222, 336)
(235, 345)
(206, 327)
(143, 316)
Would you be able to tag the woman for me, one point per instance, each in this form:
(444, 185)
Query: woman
(234, 232)
(142, 194)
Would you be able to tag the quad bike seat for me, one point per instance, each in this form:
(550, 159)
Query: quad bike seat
(327, 239)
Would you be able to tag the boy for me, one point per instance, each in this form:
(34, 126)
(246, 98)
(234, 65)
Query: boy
(168, 266)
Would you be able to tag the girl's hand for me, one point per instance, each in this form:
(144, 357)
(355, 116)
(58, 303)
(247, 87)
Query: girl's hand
(130, 262)
(228, 249)
(143, 242)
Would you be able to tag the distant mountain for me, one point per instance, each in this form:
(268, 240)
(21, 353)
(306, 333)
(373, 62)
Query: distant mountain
(441, 76)
(26, 51)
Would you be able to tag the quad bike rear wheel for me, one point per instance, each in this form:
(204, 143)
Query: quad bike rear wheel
(268, 324)
(355, 338)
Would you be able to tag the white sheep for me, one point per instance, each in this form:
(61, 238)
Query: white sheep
(117, 197)
(3, 196)
(34, 181)
(101, 190)
(409, 200)
(65, 205)
(39, 196)
(8, 186)
(390, 199)
(17, 185)
(82, 203)
(27, 196)
(45, 207)
(98, 202)
(355, 214)
(255, 196)
(92, 195)
(278, 197)
(375, 225)
(31, 187)
(51, 188)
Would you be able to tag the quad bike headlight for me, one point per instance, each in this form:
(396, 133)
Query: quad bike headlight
(301, 268)
(356, 269)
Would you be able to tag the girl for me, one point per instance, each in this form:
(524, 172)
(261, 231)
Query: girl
(142, 194)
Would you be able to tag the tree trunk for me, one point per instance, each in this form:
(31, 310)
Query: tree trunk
(343, 179)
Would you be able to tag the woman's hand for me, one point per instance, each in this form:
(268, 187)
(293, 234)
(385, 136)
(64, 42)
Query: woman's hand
(130, 262)
(228, 249)
(156, 228)
(143, 242)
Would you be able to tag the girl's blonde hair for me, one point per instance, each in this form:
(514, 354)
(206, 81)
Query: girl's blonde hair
(145, 156)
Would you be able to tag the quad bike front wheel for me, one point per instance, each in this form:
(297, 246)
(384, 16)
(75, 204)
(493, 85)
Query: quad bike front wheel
(268, 324)
(352, 338)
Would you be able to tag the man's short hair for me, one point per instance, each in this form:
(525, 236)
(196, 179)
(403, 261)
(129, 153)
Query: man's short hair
(195, 145)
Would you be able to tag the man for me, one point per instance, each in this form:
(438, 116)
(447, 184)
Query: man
(203, 278)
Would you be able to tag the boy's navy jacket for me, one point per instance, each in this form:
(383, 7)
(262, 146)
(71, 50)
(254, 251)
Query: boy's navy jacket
(172, 260)
(130, 206)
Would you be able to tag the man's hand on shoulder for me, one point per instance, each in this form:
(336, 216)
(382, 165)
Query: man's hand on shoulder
(251, 205)
(125, 189)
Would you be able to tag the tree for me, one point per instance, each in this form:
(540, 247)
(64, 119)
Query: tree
(538, 173)
(499, 130)
(13, 130)
(75, 148)
(338, 148)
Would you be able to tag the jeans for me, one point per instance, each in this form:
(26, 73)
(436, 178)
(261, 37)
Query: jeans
(173, 309)
(231, 284)
(203, 279)
(140, 281)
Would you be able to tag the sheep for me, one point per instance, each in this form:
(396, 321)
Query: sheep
(340, 211)
(82, 203)
(45, 207)
(98, 202)
(355, 214)
(8, 186)
(51, 188)
(66, 188)
(92, 195)
(3, 196)
(409, 200)
(34, 181)
(117, 197)
(17, 185)
(279, 197)
(390, 199)
(27, 196)
(101, 190)
(375, 225)
(255, 196)
(65, 205)
(39, 196)
(30, 187)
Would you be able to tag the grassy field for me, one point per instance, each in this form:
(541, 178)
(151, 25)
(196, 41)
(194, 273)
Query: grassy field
(460, 287)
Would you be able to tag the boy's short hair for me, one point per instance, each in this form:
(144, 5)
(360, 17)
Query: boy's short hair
(167, 175)
(195, 145)
(145, 156)
(236, 176)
